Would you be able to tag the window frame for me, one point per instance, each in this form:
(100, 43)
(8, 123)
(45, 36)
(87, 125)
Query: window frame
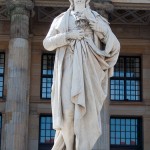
(140, 133)
(3, 75)
(1, 123)
(43, 144)
(128, 78)
(45, 76)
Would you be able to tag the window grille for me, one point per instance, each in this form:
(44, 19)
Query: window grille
(47, 75)
(125, 85)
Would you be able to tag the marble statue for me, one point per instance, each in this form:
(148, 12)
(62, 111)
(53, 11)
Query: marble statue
(81, 73)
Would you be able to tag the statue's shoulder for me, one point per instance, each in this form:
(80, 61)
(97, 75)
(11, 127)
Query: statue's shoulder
(97, 14)
(59, 17)
(59, 22)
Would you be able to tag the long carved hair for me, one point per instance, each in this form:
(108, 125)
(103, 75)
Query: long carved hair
(72, 4)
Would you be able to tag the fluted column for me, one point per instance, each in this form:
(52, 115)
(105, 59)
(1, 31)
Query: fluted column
(17, 101)
(104, 8)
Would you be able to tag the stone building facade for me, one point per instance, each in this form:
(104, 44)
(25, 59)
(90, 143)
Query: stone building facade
(26, 75)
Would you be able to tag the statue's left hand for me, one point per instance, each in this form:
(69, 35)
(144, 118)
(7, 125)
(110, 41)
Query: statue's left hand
(99, 26)
(95, 26)
(91, 19)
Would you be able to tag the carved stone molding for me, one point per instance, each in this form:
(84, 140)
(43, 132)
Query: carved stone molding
(118, 4)
(135, 6)
(52, 3)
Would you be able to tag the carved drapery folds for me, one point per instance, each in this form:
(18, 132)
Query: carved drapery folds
(19, 11)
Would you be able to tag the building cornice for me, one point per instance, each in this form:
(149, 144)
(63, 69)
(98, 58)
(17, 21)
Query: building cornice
(131, 1)
(132, 6)
(51, 3)
(118, 4)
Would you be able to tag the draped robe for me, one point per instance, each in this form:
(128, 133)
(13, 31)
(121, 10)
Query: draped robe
(91, 69)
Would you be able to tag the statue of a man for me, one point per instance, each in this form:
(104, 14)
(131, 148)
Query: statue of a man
(81, 73)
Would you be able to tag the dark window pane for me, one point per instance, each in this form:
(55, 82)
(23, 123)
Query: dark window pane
(112, 141)
(42, 133)
(119, 68)
(123, 135)
(117, 90)
(123, 128)
(133, 142)
(42, 139)
(126, 83)
(132, 90)
(112, 134)
(47, 75)
(2, 65)
(112, 127)
(46, 132)
(122, 142)
(125, 132)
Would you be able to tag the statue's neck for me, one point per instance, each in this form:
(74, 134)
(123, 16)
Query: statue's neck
(79, 8)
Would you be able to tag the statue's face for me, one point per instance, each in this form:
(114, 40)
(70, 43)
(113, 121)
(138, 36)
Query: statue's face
(79, 2)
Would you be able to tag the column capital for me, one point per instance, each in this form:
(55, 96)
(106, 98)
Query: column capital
(19, 11)
(22, 7)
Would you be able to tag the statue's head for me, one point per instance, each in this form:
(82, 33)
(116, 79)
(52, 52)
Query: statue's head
(74, 2)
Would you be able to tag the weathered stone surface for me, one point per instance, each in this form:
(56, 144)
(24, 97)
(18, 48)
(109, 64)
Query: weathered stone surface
(79, 88)
(17, 104)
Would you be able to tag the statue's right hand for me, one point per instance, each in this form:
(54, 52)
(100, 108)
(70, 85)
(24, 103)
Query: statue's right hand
(75, 35)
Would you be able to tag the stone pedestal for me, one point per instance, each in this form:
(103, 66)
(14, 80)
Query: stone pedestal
(103, 141)
(17, 102)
